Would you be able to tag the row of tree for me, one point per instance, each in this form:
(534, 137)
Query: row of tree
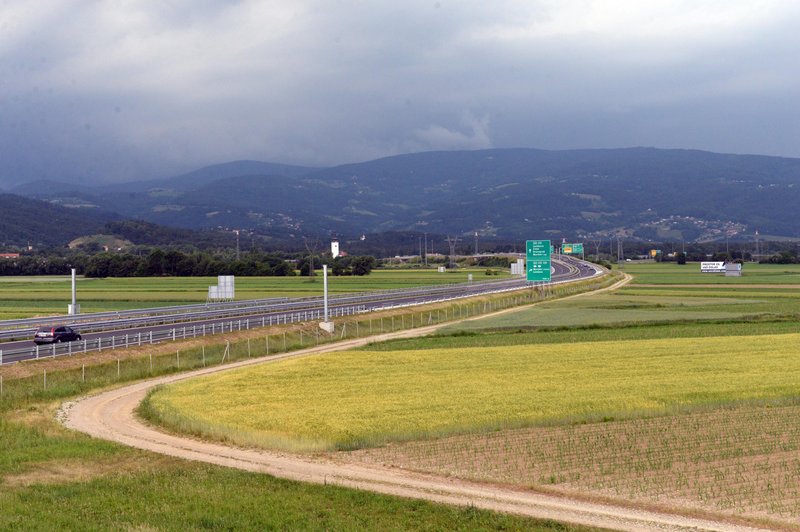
(173, 262)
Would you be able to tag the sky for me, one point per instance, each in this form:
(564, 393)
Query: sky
(107, 91)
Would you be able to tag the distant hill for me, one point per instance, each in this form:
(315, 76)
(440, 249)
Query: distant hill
(643, 193)
(205, 175)
(43, 224)
(48, 187)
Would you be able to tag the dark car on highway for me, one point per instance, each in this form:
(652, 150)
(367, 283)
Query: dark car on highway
(51, 335)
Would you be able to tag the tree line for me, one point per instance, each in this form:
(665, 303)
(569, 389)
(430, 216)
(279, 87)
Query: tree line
(171, 262)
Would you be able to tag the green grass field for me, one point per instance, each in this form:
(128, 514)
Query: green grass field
(36, 296)
(672, 294)
(671, 273)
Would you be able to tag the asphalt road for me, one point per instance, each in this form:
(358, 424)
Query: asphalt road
(564, 269)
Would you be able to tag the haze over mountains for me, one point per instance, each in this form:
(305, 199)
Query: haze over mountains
(643, 193)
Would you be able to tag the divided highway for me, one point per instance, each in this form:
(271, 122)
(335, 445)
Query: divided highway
(109, 330)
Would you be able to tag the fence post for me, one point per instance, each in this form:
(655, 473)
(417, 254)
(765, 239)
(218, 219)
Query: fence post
(248, 346)
(203, 348)
(1, 357)
(151, 362)
(118, 368)
(284, 342)
(83, 372)
(266, 341)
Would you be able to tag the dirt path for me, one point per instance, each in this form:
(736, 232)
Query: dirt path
(110, 415)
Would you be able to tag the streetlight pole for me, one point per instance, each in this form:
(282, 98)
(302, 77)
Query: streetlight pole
(325, 289)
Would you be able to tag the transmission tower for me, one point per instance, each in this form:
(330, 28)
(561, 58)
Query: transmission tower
(452, 240)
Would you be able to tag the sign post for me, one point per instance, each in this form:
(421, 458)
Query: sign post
(537, 255)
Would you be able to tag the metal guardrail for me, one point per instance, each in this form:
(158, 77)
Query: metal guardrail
(154, 337)
(288, 316)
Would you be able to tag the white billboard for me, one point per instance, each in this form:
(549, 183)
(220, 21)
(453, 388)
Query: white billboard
(224, 290)
(712, 267)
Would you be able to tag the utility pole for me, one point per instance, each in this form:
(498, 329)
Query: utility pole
(758, 253)
(452, 241)
(426, 249)
(237, 243)
(476, 243)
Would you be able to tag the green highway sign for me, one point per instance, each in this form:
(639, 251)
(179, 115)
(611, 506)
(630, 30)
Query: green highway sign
(572, 249)
(537, 255)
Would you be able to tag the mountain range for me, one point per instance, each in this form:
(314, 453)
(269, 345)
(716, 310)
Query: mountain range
(640, 193)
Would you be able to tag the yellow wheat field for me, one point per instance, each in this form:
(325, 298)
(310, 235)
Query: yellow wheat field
(365, 398)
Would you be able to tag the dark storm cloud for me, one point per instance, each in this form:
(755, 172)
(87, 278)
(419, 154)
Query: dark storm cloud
(110, 91)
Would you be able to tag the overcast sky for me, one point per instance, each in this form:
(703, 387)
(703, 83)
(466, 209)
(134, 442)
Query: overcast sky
(116, 90)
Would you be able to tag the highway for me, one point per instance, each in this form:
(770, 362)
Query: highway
(111, 330)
